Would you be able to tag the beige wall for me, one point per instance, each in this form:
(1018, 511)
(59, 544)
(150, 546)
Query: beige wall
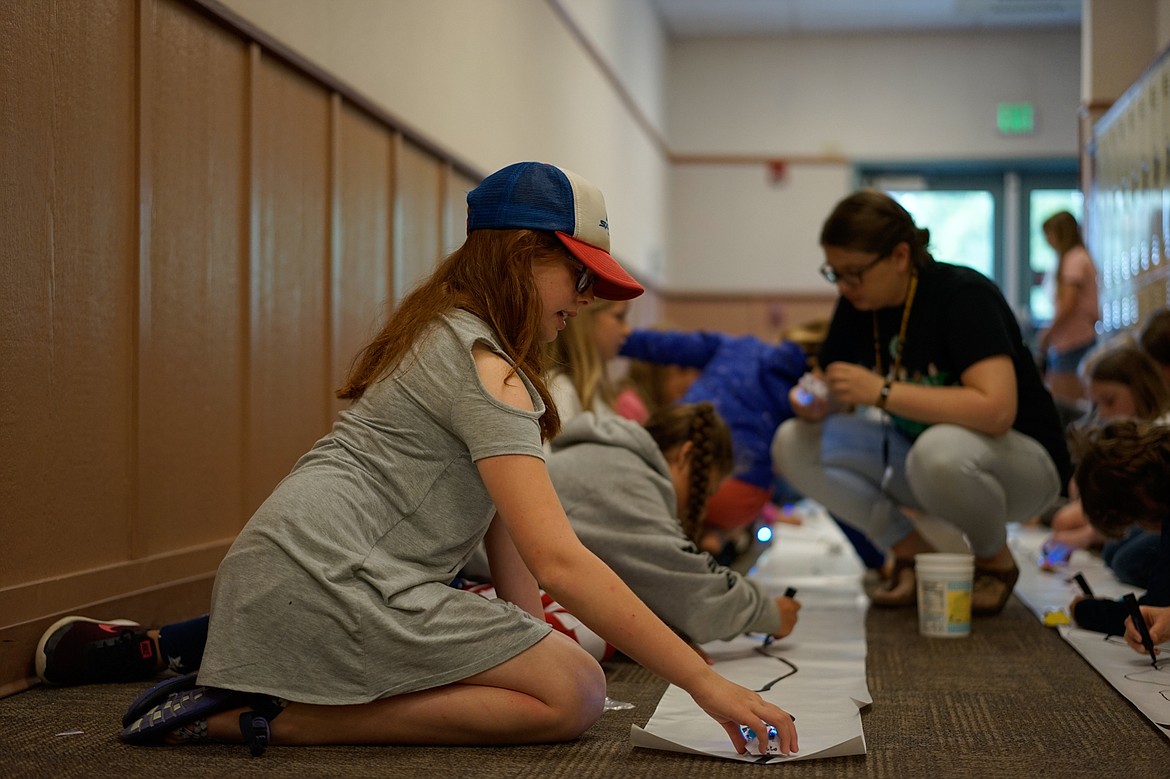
(574, 82)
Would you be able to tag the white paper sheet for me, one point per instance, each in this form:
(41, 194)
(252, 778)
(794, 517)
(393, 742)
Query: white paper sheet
(1045, 591)
(827, 727)
(1133, 675)
(817, 674)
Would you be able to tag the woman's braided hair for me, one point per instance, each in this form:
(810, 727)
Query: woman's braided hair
(711, 459)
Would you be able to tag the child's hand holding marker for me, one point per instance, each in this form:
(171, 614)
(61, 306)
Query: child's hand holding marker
(788, 606)
(1157, 621)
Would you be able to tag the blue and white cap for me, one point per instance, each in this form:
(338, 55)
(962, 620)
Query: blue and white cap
(538, 196)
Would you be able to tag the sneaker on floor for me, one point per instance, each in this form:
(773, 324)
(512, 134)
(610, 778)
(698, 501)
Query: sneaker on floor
(79, 650)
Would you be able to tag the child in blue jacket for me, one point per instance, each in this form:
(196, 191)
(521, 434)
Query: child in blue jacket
(747, 380)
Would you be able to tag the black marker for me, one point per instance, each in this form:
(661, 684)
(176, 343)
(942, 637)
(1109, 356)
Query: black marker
(790, 592)
(1139, 622)
(1084, 585)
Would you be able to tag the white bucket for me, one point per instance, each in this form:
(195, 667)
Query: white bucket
(944, 593)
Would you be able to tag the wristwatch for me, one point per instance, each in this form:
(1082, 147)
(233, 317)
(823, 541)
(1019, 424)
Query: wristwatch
(884, 395)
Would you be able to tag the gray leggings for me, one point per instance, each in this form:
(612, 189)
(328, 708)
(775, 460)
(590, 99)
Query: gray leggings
(974, 481)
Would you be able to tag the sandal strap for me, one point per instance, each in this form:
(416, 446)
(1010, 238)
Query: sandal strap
(900, 564)
(256, 730)
(256, 724)
(1007, 577)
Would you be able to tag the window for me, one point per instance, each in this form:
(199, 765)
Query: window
(987, 216)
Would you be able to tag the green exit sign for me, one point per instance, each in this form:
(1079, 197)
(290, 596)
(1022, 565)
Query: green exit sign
(1015, 118)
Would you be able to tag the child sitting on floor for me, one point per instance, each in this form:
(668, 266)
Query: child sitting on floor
(1124, 478)
(1124, 382)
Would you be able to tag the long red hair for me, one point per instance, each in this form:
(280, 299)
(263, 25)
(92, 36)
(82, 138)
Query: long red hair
(489, 276)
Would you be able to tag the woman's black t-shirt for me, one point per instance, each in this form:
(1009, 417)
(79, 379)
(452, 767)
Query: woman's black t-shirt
(958, 317)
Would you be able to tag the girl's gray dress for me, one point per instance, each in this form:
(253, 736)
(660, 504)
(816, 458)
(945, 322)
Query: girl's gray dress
(336, 591)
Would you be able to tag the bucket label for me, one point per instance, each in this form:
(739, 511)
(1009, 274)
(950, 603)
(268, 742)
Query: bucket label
(944, 608)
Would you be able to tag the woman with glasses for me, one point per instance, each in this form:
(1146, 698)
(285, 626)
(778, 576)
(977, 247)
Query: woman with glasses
(928, 403)
(332, 619)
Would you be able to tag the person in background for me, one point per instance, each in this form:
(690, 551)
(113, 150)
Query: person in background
(646, 522)
(747, 380)
(1123, 474)
(1124, 382)
(578, 374)
(332, 619)
(649, 387)
(1154, 338)
(929, 402)
(1073, 330)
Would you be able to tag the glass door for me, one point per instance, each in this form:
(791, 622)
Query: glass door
(988, 216)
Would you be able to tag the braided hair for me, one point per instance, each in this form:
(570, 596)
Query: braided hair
(1123, 473)
(711, 458)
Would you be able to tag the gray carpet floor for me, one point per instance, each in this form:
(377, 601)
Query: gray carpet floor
(1012, 700)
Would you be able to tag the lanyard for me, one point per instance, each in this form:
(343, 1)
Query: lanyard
(887, 471)
(901, 342)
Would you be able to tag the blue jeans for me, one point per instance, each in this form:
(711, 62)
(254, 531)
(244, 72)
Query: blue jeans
(1133, 558)
(1067, 362)
(974, 481)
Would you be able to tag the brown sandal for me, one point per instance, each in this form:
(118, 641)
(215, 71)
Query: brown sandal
(992, 588)
(893, 593)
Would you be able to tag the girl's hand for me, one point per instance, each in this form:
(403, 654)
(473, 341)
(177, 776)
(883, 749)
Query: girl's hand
(1084, 537)
(731, 706)
(851, 384)
(1157, 620)
(788, 609)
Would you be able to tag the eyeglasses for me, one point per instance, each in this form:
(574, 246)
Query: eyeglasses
(852, 278)
(585, 277)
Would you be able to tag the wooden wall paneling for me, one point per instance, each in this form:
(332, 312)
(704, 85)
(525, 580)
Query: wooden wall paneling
(455, 188)
(763, 317)
(193, 326)
(67, 291)
(361, 266)
(288, 353)
(417, 215)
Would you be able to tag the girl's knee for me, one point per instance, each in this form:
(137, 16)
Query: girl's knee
(578, 698)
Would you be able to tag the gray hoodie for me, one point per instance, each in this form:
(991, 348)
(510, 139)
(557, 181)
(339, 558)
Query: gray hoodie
(615, 486)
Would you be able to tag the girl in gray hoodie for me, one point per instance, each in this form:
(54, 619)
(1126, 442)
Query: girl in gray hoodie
(635, 497)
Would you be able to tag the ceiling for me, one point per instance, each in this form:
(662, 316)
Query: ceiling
(713, 18)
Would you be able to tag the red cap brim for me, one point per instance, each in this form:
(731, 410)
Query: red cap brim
(612, 283)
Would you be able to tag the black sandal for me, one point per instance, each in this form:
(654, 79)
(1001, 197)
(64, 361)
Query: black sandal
(886, 597)
(180, 703)
(987, 579)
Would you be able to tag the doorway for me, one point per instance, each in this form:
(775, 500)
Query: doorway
(988, 216)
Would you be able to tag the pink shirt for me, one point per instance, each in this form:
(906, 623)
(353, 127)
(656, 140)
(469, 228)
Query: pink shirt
(1077, 270)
